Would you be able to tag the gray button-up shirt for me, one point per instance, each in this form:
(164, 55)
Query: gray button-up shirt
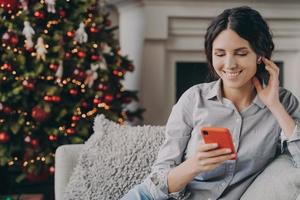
(256, 135)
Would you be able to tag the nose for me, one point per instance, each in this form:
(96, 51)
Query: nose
(230, 62)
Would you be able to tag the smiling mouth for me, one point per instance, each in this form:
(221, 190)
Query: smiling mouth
(232, 75)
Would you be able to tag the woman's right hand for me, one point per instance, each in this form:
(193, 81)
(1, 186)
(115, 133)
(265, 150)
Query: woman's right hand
(209, 157)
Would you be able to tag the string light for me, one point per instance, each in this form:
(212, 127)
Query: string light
(121, 121)
(10, 163)
(61, 128)
(25, 164)
(92, 112)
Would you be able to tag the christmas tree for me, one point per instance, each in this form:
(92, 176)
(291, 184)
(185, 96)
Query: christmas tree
(60, 66)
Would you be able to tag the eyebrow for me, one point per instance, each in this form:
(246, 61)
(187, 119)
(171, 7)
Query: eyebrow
(238, 49)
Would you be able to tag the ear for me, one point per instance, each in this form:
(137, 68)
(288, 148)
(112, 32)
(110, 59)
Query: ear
(258, 60)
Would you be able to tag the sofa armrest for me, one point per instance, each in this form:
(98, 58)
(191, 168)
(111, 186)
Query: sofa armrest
(66, 157)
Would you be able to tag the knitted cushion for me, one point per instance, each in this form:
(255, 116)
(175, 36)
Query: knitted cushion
(113, 160)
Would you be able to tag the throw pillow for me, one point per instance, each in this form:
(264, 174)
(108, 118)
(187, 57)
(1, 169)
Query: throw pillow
(114, 159)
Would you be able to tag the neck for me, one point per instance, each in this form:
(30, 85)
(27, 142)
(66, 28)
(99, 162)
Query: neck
(241, 97)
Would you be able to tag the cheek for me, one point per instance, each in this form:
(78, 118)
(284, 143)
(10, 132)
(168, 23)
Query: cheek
(217, 63)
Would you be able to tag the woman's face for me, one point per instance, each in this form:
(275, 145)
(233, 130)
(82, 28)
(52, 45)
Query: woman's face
(233, 59)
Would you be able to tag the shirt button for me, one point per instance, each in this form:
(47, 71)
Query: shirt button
(237, 119)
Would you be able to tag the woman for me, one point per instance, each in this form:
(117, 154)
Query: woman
(258, 113)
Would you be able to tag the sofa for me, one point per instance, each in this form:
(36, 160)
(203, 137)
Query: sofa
(283, 177)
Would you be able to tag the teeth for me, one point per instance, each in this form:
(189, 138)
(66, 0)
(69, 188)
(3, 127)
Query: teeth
(231, 75)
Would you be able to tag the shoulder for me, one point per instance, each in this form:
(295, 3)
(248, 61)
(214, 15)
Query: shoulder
(287, 98)
(200, 90)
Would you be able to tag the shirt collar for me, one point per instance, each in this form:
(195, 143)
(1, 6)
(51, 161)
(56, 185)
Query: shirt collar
(216, 91)
(258, 102)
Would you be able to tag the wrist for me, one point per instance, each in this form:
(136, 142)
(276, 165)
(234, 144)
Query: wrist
(275, 106)
(277, 109)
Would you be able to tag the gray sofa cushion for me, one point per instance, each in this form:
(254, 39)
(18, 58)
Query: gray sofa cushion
(108, 165)
(280, 180)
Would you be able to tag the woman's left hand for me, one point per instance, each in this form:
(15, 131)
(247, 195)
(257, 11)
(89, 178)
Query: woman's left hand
(270, 93)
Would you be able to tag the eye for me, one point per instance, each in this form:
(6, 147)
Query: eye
(242, 53)
(220, 54)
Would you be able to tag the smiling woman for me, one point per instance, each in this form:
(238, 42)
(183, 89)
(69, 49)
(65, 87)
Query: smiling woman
(238, 46)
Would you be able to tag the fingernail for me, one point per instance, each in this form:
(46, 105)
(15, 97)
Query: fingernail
(214, 144)
(228, 150)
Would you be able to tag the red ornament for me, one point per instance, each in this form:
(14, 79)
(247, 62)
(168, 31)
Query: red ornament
(47, 98)
(14, 40)
(108, 98)
(102, 87)
(28, 84)
(62, 13)
(79, 73)
(68, 55)
(81, 54)
(34, 143)
(118, 72)
(8, 5)
(6, 67)
(73, 92)
(51, 170)
(53, 67)
(4, 137)
(52, 137)
(95, 57)
(75, 118)
(10, 38)
(36, 178)
(7, 110)
(39, 114)
(70, 131)
(70, 34)
(94, 29)
(85, 104)
(96, 101)
(39, 14)
(56, 99)
(52, 98)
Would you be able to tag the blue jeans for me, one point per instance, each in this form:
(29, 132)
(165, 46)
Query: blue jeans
(138, 192)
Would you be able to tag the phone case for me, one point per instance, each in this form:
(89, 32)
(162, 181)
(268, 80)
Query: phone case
(218, 135)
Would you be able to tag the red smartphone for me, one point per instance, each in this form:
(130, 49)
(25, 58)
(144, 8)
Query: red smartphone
(218, 135)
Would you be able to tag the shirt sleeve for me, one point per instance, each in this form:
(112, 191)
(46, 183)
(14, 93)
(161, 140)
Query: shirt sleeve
(291, 105)
(178, 130)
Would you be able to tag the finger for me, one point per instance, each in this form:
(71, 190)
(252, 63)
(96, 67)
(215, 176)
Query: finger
(207, 147)
(210, 167)
(214, 153)
(272, 70)
(257, 84)
(271, 64)
(217, 160)
(273, 76)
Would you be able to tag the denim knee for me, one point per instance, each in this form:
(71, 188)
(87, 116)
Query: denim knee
(139, 192)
